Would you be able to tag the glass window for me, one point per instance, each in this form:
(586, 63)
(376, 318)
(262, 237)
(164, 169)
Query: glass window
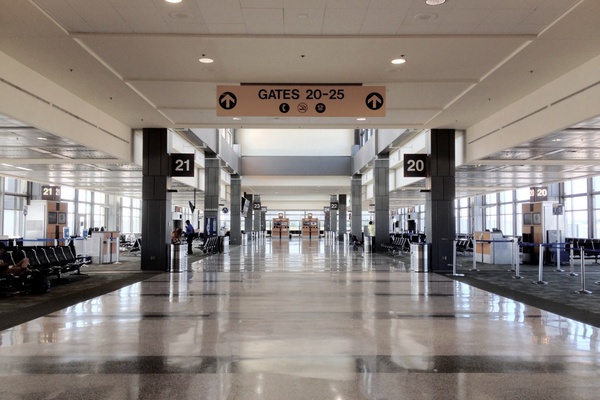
(491, 198)
(67, 193)
(16, 186)
(99, 198)
(506, 197)
(523, 194)
(13, 215)
(576, 217)
(491, 218)
(576, 186)
(507, 219)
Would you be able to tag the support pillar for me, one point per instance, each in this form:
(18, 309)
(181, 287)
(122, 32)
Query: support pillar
(256, 205)
(356, 201)
(333, 214)
(342, 217)
(212, 186)
(157, 219)
(439, 205)
(249, 214)
(235, 234)
(381, 193)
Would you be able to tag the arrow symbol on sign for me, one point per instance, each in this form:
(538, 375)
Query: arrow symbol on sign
(374, 101)
(227, 100)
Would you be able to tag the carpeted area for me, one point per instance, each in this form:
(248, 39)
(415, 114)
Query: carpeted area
(560, 295)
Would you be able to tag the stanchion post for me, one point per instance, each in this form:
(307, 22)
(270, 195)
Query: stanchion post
(540, 280)
(474, 268)
(517, 260)
(513, 257)
(572, 262)
(454, 260)
(558, 268)
(583, 290)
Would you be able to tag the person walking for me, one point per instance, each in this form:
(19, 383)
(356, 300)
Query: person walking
(189, 234)
(372, 236)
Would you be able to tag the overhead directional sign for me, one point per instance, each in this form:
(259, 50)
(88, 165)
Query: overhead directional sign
(301, 101)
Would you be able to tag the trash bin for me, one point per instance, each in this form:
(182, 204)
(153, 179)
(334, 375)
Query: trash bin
(178, 261)
(418, 257)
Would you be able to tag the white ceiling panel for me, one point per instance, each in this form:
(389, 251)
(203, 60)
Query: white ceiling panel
(137, 61)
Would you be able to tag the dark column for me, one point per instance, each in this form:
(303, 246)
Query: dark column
(256, 214)
(235, 234)
(248, 220)
(342, 217)
(381, 193)
(156, 201)
(212, 186)
(357, 206)
(333, 215)
(439, 206)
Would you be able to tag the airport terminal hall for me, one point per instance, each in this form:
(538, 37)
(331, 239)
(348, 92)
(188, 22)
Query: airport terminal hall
(299, 199)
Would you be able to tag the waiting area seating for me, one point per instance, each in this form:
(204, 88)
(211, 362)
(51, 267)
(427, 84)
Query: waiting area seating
(45, 261)
(590, 248)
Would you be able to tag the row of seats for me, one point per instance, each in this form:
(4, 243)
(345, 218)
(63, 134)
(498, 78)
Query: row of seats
(590, 247)
(45, 261)
(210, 245)
(398, 245)
(54, 260)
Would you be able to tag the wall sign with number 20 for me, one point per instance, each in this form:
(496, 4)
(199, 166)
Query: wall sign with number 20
(415, 165)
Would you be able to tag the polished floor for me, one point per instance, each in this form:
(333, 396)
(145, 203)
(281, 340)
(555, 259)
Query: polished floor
(299, 319)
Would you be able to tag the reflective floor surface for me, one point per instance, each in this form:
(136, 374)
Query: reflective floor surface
(299, 320)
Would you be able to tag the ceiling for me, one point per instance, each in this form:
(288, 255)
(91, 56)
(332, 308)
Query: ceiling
(137, 61)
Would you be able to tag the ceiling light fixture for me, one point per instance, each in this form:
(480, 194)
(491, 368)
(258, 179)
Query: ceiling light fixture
(434, 2)
(361, 119)
(206, 60)
(398, 61)
(173, 1)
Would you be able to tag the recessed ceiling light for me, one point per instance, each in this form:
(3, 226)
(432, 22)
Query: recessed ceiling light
(173, 1)
(434, 2)
(42, 138)
(206, 60)
(361, 119)
(237, 119)
(400, 60)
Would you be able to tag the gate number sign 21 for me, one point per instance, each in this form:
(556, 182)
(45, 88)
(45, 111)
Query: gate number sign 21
(415, 165)
(182, 164)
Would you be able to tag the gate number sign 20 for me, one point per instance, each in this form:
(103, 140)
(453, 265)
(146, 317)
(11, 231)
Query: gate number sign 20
(415, 165)
(182, 164)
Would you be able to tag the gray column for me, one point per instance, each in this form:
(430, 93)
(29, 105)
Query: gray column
(235, 234)
(439, 206)
(256, 214)
(156, 201)
(357, 205)
(212, 186)
(381, 193)
(327, 222)
(333, 215)
(248, 220)
(342, 217)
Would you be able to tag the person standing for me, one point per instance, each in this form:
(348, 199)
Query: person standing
(372, 235)
(189, 234)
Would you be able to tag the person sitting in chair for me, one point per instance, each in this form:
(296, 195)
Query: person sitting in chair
(17, 269)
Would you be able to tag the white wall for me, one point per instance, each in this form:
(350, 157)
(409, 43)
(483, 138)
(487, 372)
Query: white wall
(295, 142)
